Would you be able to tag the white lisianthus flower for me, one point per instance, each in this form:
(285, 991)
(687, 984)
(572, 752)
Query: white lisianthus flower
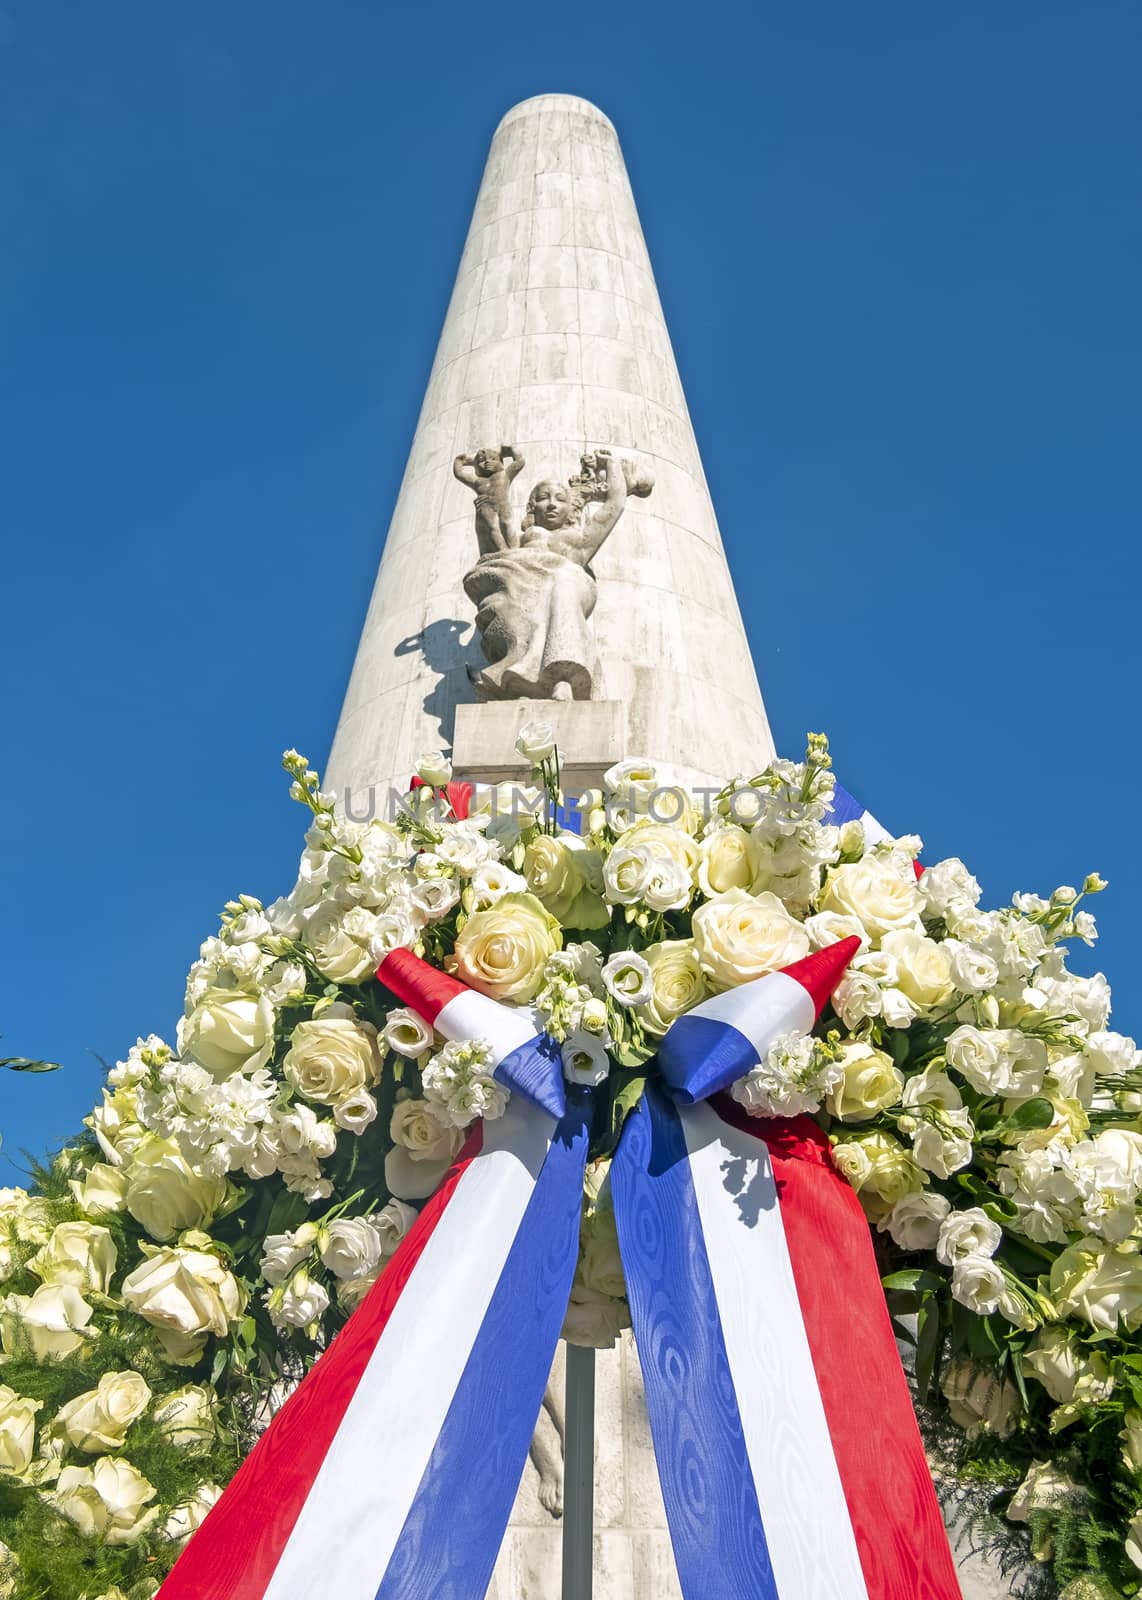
(188, 1417)
(973, 970)
(298, 1303)
(859, 994)
(185, 1290)
(739, 936)
(332, 1057)
(392, 1222)
(282, 1253)
(585, 1058)
(536, 742)
(82, 1254)
(107, 1501)
(434, 768)
(941, 1141)
(881, 899)
(352, 1247)
(406, 1032)
(1110, 1055)
(228, 1032)
(419, 1127)
(433, 898)
(978, 1283)
(51, 1324)
(102, 1189)
(979, 1402)
(867, 1082)
(99, 1419)
(998, 1060)
(627, 977)
(967, 1233)
(914, 1221)
(356, 1112)
(284, 983)
(17, 1432)
(489, 883)
(188, 1517)
(1100, 1282)
(677, 983)
(166, 1195)
(794, 1078)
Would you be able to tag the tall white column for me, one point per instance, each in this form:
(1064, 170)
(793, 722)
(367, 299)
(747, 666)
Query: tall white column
(555, 340)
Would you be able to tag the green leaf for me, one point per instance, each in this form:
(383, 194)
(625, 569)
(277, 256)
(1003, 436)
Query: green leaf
(1038, 1113)
(24, 1064)
(627, 1097)
(928, 1341)
(929, 1282)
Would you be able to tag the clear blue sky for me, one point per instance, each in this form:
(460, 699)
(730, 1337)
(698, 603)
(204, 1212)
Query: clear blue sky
(900, 248)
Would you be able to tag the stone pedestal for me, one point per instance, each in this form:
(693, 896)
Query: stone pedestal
(591, 735)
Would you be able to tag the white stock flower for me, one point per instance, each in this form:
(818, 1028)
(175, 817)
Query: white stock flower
(999, 1061)
(106, 1501)
(967, 1233)
(948, 884)
(458, 1083)
(794, 1078)
(627, 977)
(99, 1419)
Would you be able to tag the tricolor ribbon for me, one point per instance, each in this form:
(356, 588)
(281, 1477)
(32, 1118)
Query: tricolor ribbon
(789, 1457)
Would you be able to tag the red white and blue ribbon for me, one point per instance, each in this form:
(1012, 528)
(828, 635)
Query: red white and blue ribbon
(790, 1460)
(390, 1472)
(848, 809)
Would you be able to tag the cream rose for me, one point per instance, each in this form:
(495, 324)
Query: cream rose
(80, 1253)
(536, 742)
(331, 1058)
(870, 1083)
(568, 879)
(677, 983)
(189, 1417)
(17, 1432)
(923, 970)
(880, 899)
(187, 1518)
(979, 1402)
(1100, 1282)
(914, 1221)
(739, 936)
(593, 1319)
(415, 1127)
(102, 1189)
(9, 1571)
(501, 951)
(727, 862)
(107, 1501)
(228, 1032)
(340, 937)
(351, 1247)
(166, 1195)
(880, 1169)
(1057, 1360)
(185, 1290)
(52, 1323)
(99, 1419)
(412, 1180)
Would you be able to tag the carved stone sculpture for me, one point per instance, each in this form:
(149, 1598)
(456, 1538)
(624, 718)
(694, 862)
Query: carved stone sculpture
(532, 586)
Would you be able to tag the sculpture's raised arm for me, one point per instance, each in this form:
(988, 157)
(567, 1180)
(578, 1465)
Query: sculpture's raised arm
(609, 482)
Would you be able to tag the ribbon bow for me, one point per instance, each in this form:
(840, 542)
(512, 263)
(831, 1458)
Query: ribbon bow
(790, 1461)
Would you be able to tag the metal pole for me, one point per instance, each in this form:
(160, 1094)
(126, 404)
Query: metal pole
(579, 1473)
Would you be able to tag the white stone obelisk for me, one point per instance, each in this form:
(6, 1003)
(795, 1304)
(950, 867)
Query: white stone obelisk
(555, 341)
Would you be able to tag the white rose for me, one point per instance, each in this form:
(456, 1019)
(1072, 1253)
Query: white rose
(341, 939)
(726, 861)
(166, 1195)
(914, 1221)
(924, 971)
(627, 977)
(1133, 1541)
(502, 951)
(677, 983)
(392, 1222)
(188, 1517)
(99, 1419)
(188, 1417)
(352, 1292)
(82, 1254)
(978, 1283)
(1057, 1360)
(106, 1501)
(102, 1189)
(1100, 1282)
(979, 1402)
(1045, 1488)
(185, 1290)
(417, 1128)
(869, 1083)
(739, 936)
(228, 1032)
(585, 1058)
(352, 1247)
(17, 1432)
(882, 901)
(52, 1323)
(968, 1233)
(331, 1058)
(880, 1169)
(536, 742)
(830, 927)
(973, 970)
(435, 769)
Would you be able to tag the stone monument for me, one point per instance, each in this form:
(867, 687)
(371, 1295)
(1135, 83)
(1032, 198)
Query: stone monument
(607, 609)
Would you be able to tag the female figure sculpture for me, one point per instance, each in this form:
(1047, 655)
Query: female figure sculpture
(534, 594)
